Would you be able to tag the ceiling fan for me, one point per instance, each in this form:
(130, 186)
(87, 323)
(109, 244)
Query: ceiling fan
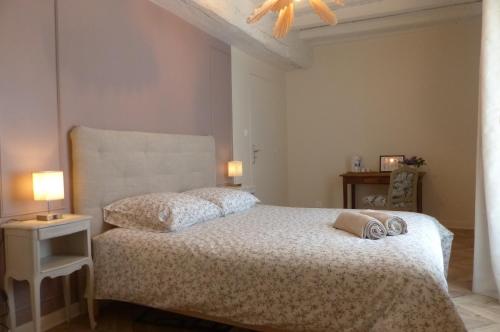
(286, 12)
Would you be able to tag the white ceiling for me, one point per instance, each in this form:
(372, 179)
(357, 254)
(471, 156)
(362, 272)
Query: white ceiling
(226, 20)
(307, 23)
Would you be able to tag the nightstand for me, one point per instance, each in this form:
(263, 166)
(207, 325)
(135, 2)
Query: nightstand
(35, 250)
(248, 188)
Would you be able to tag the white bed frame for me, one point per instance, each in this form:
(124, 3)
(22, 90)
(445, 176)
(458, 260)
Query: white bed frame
(109, 165)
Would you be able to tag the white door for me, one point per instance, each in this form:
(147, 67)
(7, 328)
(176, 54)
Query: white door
(268, 140)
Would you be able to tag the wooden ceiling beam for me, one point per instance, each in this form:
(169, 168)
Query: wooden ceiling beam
(390, 23)
(226, 20)
(359, 11)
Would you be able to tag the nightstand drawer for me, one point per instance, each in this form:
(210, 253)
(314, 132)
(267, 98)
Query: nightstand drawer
(61, 230)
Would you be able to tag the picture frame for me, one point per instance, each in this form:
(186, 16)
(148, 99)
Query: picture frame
(388, 163)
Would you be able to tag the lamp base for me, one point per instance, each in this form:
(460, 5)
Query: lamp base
(48, 216)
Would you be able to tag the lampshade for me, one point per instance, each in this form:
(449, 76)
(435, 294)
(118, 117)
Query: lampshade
(234, 168)
(48, 186)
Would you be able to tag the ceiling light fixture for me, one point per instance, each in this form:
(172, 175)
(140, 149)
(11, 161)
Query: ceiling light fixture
(286, 12)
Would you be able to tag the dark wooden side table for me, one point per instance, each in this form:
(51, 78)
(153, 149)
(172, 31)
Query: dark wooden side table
(353, 178)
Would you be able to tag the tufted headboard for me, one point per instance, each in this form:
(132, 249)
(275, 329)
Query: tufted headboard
(110, 165)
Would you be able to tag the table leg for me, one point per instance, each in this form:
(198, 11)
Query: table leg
(345, 193)
(9, 290)
(353, 196)
(35, 304)
(90, 295)
(419, 197)
(67, 297)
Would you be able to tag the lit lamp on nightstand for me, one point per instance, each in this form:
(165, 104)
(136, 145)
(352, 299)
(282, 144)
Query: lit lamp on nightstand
(234, 169)
(48, 186)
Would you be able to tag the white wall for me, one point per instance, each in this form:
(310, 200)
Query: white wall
(412, 93)
(263, 125)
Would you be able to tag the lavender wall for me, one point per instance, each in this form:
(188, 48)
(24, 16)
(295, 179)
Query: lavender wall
(128, 64)
(123, 64)
(28, 100)
(29, 138)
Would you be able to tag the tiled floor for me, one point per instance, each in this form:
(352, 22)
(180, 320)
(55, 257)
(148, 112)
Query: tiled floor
(480, 313)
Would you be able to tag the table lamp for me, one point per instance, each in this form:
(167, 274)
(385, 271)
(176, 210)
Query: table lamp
(48, 186)
(235, 169)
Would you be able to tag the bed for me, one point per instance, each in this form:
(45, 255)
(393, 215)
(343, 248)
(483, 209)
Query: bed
(268, 268)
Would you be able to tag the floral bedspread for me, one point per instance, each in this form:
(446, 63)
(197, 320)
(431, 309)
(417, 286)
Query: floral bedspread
(287, 269)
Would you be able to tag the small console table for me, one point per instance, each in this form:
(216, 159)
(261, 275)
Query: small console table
(354, 178)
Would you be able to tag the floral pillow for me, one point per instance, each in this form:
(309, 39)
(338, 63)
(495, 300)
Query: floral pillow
(160, 212)
(229, 200)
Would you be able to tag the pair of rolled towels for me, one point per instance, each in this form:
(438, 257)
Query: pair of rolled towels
(370, 224)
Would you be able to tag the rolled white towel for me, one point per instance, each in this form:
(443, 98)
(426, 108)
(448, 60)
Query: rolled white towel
(361, 225)
(393, 224)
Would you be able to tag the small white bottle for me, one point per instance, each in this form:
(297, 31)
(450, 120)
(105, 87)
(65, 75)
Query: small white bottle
(356, 163)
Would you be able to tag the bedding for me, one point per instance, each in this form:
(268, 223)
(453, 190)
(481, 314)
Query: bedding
(229, 200)
(361, 225)
(393, 224)
(160, 212)
(286, 269)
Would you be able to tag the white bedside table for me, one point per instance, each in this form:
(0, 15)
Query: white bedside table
(248, 188)
(35, 250)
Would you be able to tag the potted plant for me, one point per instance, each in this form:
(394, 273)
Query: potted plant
(414, 161)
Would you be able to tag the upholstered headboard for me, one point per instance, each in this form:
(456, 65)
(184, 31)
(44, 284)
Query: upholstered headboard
(110, 165)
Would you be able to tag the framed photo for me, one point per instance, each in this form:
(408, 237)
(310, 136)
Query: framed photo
(390, 163)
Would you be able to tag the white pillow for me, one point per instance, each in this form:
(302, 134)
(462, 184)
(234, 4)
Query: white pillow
(229, 200)
(160, 212)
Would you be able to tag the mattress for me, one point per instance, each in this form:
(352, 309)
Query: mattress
(286, 269)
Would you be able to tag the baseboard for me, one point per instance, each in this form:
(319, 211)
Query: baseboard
(53, 319)
(460, 228)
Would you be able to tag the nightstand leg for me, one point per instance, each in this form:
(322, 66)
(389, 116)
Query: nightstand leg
(90, 295)
(35, 304)
(9, 290)
(67, 297)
